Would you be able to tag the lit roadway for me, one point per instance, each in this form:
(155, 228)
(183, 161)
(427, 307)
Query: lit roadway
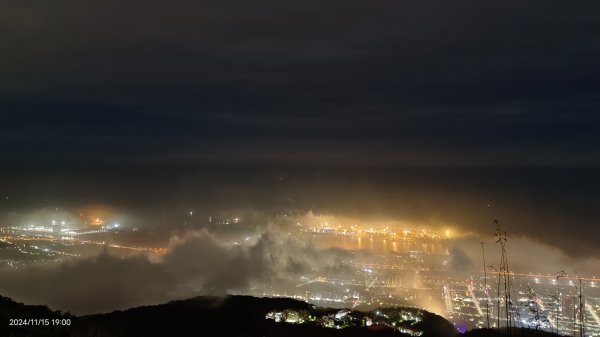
(475, 300)
(552, 277)
(100, 243)
(140, 249)
(593, 313)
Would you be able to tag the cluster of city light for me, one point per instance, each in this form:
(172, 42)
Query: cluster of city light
(383, 231)
(394, 319)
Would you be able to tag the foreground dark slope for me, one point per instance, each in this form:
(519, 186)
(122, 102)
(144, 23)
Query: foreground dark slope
(230, 316)
(13, 310)
(203, 316)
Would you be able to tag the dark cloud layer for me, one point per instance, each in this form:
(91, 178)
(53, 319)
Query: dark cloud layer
(154, 106)
(300, 81)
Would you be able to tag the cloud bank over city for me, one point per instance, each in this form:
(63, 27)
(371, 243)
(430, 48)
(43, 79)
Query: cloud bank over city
(197, 264)
(200, 263)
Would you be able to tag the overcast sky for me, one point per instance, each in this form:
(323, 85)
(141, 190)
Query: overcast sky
(334, 105)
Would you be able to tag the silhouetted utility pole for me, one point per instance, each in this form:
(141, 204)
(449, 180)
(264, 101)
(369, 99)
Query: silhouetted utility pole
(581, 312)
(516, 307)
(487, 298)
(497, 298)
(558, 276)
(574, 318)
(504, 270)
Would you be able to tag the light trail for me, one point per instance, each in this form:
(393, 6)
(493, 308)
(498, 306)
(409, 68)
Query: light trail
(593, 313)
(475, 300)
(448, 300)
(550, 277)
(99, 243)
(140, 249)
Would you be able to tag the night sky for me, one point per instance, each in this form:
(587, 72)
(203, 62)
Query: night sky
(426, 111)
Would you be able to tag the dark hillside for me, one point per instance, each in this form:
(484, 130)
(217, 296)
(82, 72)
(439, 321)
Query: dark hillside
(235, 316)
